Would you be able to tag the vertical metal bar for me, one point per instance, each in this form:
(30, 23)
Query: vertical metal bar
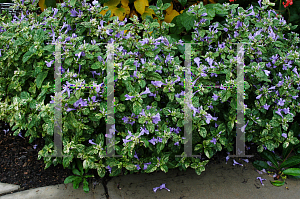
(110, 125)
(188, 123)
(240, 138)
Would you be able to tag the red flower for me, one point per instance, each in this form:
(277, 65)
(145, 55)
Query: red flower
(288, 2)
(231, 0)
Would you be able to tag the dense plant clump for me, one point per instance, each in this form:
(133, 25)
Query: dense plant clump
(149, 84)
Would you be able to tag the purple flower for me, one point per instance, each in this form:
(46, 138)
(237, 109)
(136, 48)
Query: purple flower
(91, 142)
(214, 140)
(129, 97)
(137, 166)
(176, 143)
(71, 109)
(267, 72)
(49, 63)
(74, 13)
(243, 128)
(80, 102)
(109, 168)
(209, 117)
(146, 165)
(260, 179)
(144, 130)
(6, 131)
(20, 135)
(55, 11)
(215, 97)
(235, 162)
(136, 156)
(146, 92)
(266, 106)
(126, 140)
(156, 118)
(284, 135)
(281, 102)
(227, 158)
(163, 186)
(34, 146)
(279, 112)
(153, 141)
(157, 83)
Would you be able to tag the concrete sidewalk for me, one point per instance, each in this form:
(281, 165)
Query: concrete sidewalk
(219, 180)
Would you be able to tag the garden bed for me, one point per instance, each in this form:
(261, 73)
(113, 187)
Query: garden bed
(19, 164)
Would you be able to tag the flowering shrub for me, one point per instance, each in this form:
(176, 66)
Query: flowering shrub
(275, 103)
(149, 91)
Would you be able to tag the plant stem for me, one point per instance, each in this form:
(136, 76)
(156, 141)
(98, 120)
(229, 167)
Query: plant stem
(286, 157)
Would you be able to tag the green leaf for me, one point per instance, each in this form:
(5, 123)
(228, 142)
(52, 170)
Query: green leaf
(159, 3)
(159, 147)
(70, 179)
(208, 152)
(121, 107)
(142, 83)
(150, 168)
(66, 161)
(164, 168)
(79, 165)
(76, 172)
(165, 6)
(101, 172)
(115, 171)
(225, 95)
(202, 132)
(130, 167)
(260, 165)
(27, 56)
(187, 21)
(137, 108)
(25, 95)
(279, 44)
(153, 76)
(85, 186)
(286, 151)
(39, 35)
(292, 172)
(40, 78)
(210, 12)
(268, 155)
(72, 3)
(76, 182)
(49, 48)
(142, 120)
(182, 2)
(96, 65)
(69, 61)
(199, 170)
(277, 183)
(291, 161)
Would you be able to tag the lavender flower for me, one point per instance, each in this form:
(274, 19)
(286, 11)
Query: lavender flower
(235, 162)
(91, 142)
(284, 135)
(49, 63)
(214, 140)
(260, 179)
(146, 165)
(109, 168)
(163, 186)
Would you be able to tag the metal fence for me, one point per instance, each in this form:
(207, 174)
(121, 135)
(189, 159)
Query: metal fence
(6, 6)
